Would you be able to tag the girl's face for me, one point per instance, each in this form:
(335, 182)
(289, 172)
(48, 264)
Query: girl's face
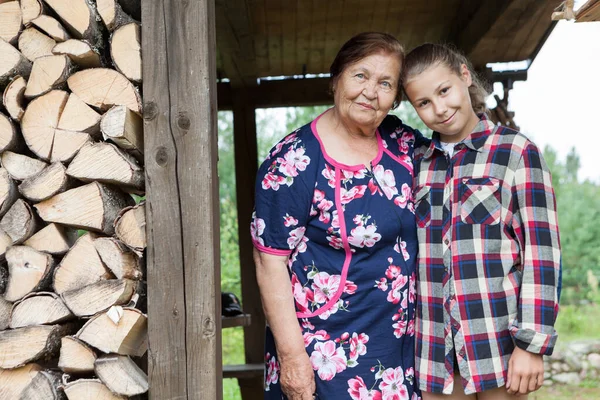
(441, 98)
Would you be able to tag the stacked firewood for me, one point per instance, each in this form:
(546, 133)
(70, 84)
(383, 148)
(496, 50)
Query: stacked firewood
(72, 220)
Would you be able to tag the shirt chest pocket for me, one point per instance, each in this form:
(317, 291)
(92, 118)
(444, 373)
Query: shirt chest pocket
(480, 201)
(423, 206)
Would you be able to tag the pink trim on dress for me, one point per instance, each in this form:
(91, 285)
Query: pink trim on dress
(344, 235)
(270, 250)
(406, 165)
(332, 161)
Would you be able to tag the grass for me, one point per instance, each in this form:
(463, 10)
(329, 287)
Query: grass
(578, 322)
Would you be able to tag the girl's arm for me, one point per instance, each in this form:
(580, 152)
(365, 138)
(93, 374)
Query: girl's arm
(296, 372)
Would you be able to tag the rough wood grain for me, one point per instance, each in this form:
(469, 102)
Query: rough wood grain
(66, 144)
(42, 308)
(13, 97)
(79, 17)
(98, 296)
(31, 9)
(14, 381)
(9, 139)
(20, 222)
(90, 389)
(80, 52)
(130, 227)
(34, 44)
(5, 308)
(112, 14)
(29, 271)
(53, 239)
(45, 386)
(51, 27)
(125, 51)
(76, 357)
(124, 128)
(10, 21)
(20, 166)
(8, 192)
(121, 375)
(122, 262)
(47, 73)
(78, 116)
(47, 183)
(12, 63)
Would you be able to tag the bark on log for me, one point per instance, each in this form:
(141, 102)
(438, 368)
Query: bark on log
(79, 17)
(21, 167)
(121, 375)
(132, 7)
(75, 356)
(14, 381)
(34, 44)
(118, 258)
(126, 52)
(51, 27)
(94, 206)
(99, 296)
(126, 129)
(53, 239)
(80, 52)
(67, 143)
(29, 270)
(51, 181)
(45, 386)
(106, 163)
(9, 139)
(5, 307)
(80, 267)
(14, 99)
(104, 88)
(78, 116)
(24, 345)
(5, 244)
(20, 222)
(130, 227)
(41, 120)
(31, 9)
(12, 63)
(48, 72)
(10, 21)
(8, 192)
(112, 14)
(90, 389)
(42, 308)
(118, 330)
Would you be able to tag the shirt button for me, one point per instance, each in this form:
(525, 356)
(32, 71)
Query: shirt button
(446, 242)
(462, 352)
(478, 187)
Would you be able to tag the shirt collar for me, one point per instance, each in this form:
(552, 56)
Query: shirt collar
(474, 141)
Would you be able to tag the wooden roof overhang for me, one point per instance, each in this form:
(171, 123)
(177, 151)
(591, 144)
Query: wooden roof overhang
(292, 38)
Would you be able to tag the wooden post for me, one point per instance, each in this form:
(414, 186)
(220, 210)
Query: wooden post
(180, 134)
(246, 165)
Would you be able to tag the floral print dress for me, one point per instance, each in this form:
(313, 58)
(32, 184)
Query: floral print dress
(350, 235)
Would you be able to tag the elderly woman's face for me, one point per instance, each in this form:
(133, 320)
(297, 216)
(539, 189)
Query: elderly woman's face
(365, 91)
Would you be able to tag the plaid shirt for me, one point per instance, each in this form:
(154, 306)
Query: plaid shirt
(489, 258)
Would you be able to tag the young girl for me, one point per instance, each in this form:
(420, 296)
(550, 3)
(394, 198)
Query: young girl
(489, 267)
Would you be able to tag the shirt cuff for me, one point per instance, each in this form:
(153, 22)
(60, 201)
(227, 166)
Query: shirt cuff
(534, 342)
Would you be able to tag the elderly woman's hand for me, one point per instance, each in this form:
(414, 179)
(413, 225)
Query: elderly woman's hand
(297, 378)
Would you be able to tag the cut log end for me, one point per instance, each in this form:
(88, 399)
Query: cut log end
(19, 222)
(29, 271)
(75, 356)
(130, 227)
(121, 375)
(125, 50)
(48, 72)
(14, 99)
(41, 308)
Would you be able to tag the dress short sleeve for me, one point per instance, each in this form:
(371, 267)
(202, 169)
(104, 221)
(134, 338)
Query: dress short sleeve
(283, 196)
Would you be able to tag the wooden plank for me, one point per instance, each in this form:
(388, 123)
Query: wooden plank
(274, 33)
(317, 39)
(303, 26)
(334, 39)
(261, 49)
(288, 38)
(244, 371)
(238, 320)
(184, 326)
(246, 166)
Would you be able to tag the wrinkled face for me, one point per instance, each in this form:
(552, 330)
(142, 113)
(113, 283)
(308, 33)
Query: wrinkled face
(441, 98)
(365, 91)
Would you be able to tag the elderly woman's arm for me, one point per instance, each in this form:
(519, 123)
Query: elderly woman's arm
(296, 373)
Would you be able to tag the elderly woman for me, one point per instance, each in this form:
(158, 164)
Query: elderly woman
(335, 240)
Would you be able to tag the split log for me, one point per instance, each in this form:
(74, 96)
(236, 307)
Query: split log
(5, 307)
(42, 308)
(80, 52)
(118, 330)
(126, 51)
(89, 389)
(80, 267)
(121, 375)
(99, 296)
(5, 244)
(14, 381)
(46, 385)
(47, 73)
(21, 167)
(40, 121)
(51, 181)
(34, 44)
(106, 163)
(12, 63)
(104, 88)
(79, 17)
(20, 222)
(31, 9)
(126, 129)
(8, 192)
(75, 356)
(130, 227)
(24, 345)
(67, 143)
(112, 14)
(53, 239)
(118, 258)
(10, 21)
(94, 206)
(14, 99)
(78, 116)
(29, 270)
(8, 134)
(51, 27)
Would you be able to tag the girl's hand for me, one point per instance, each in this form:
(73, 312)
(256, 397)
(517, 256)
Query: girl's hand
(297, 378)
(525, 372)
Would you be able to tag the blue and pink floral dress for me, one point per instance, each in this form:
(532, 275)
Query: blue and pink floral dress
(349, 232)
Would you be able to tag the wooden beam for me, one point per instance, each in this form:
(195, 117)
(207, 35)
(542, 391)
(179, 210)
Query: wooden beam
(482, 21)
(235, 41)
(279, 93)
(246, 166)
(184, 327)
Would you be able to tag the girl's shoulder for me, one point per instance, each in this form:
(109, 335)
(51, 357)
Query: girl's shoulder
(396, 133)
(518, 141)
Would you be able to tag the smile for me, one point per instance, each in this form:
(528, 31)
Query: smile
(450, 119)
(366, 106)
